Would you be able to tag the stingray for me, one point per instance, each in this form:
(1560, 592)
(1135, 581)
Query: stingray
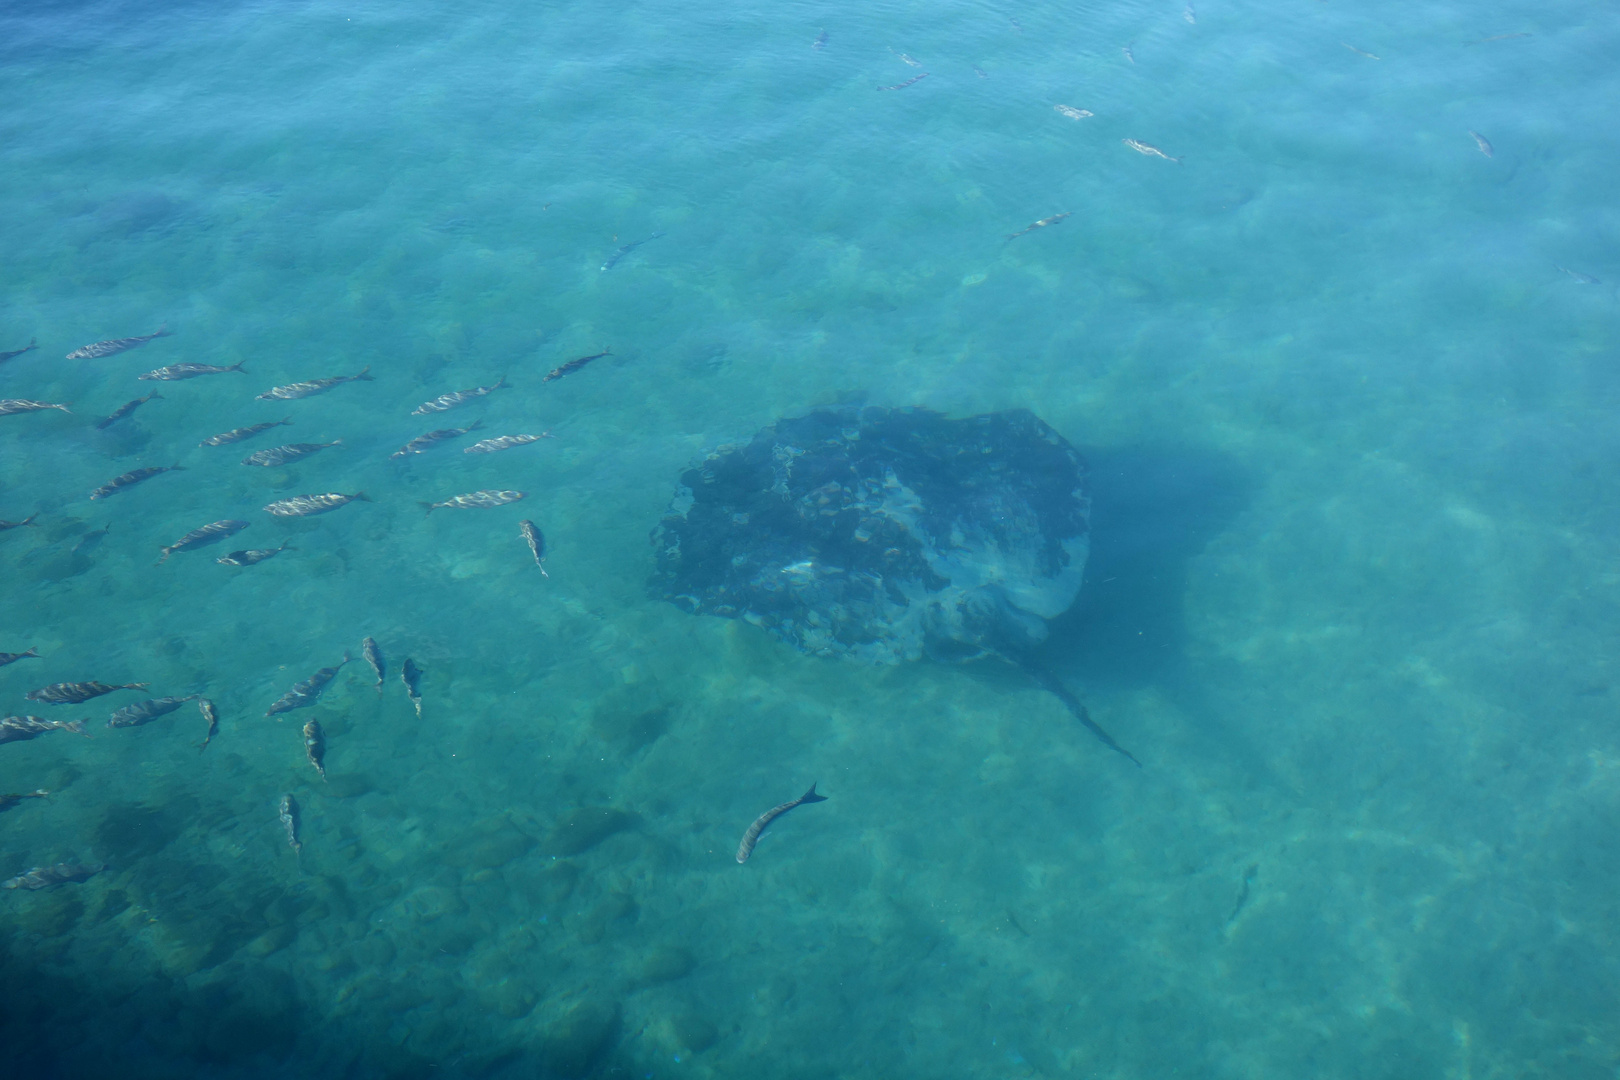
(888, 535)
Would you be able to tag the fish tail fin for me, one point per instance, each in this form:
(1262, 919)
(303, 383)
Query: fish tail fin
(238, 367)
(164, 331)
(154, 396)
(476, 424)
(427, 507)
(136, 686)
(501, 384)
(334, 442)
(285, 421)
(34, 652)
(29, 520)
(177, 468)
(77, 727)
(362, 496)
(286, 547)
(365, 373)
(165, 558)
(811, 796)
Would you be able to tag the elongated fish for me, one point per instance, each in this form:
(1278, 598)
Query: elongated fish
(211, 533)
(432, 438)
(478, 499)
(72, 693)
(7, 526)
(315, 746)
(280, 455)
(179, 372)
(124, 410)
(1041, 224)
(537, 544)
(211, 715)
(13, 657)
(1484, 144)
(820, 42)
(308, 692)
(574, 365)
(22, 728)
(252, 555)
(751, 837)
(1360, 52)
(8, 801)
(901, 86)
(505, 442)
(374, 657)
(310, 505)
(613, 260)
(129, 479)
(48, 877)
(1073, 113)
(115, 346)
(8, 406)
(144, 712)
(238, 434)
(411, 676)
(288, 812)
(14, 353)
(1149, 151)
(315, 386)
(446, 402)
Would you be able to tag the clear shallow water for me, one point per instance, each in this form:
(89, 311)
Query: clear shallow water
(1352, 595)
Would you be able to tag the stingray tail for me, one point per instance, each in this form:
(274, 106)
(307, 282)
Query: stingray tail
(1050, 682)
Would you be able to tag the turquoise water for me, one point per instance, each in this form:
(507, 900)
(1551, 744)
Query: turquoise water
(1347, 387)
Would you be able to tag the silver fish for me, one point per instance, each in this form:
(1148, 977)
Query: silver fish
(423, 442)
(211, 533)
(445, 402)
(1041, 224)
(820, 42)
(8, 406)
(46, 877)
(1150, 151)
(315, 746)
(1073, 113)
(72, 693)
(288, 812)
(1360, 52)
(7, 526)
(374, 657)
(411, 676)
(13, 657)
(8, 801)
(306, 693)
(901, 86)
(537, 544)
(177, 372)
(1584, 279)
(1190, 15)
(144, 712)
(293, 391)
(211, 715)
(238, 434)
(614, 259)
(129, 479)
(124, 410)
(1485, 146)
(751, 837)
(310, 505)
(478, 499)
(505, 442)
(14, 353)
(23, 728)
(115, 346)
(252, 555)
(280, 455)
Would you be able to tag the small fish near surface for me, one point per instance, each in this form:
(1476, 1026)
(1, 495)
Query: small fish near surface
(280, 455)
(144, 712)
(820, 42)
(13, 657)
(252, 555)
(116, 345)
(1073, 113)
(411, 676)
(433, 438)
(238, 434)
(1360, 52)
(1147, 150)
(293, 391)
(48, 877)
(751, 837)
(14, 353)
(72, 693)
(1484, 144)
(574, 365)
(8, 801)
(7, 526)
(909, 82)
(211, 716)
(129, 479)
(23, 728)
(124, 410)
(613, 260)
(310, 505)
(11, 406)
(505, 442)
(537, 544)
(179, 372)
(1041, 224)
(446, 402)
(374, 657)
(288, 813)
(478, 500)
(211, 533)
(315, 746)
(308, 692)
